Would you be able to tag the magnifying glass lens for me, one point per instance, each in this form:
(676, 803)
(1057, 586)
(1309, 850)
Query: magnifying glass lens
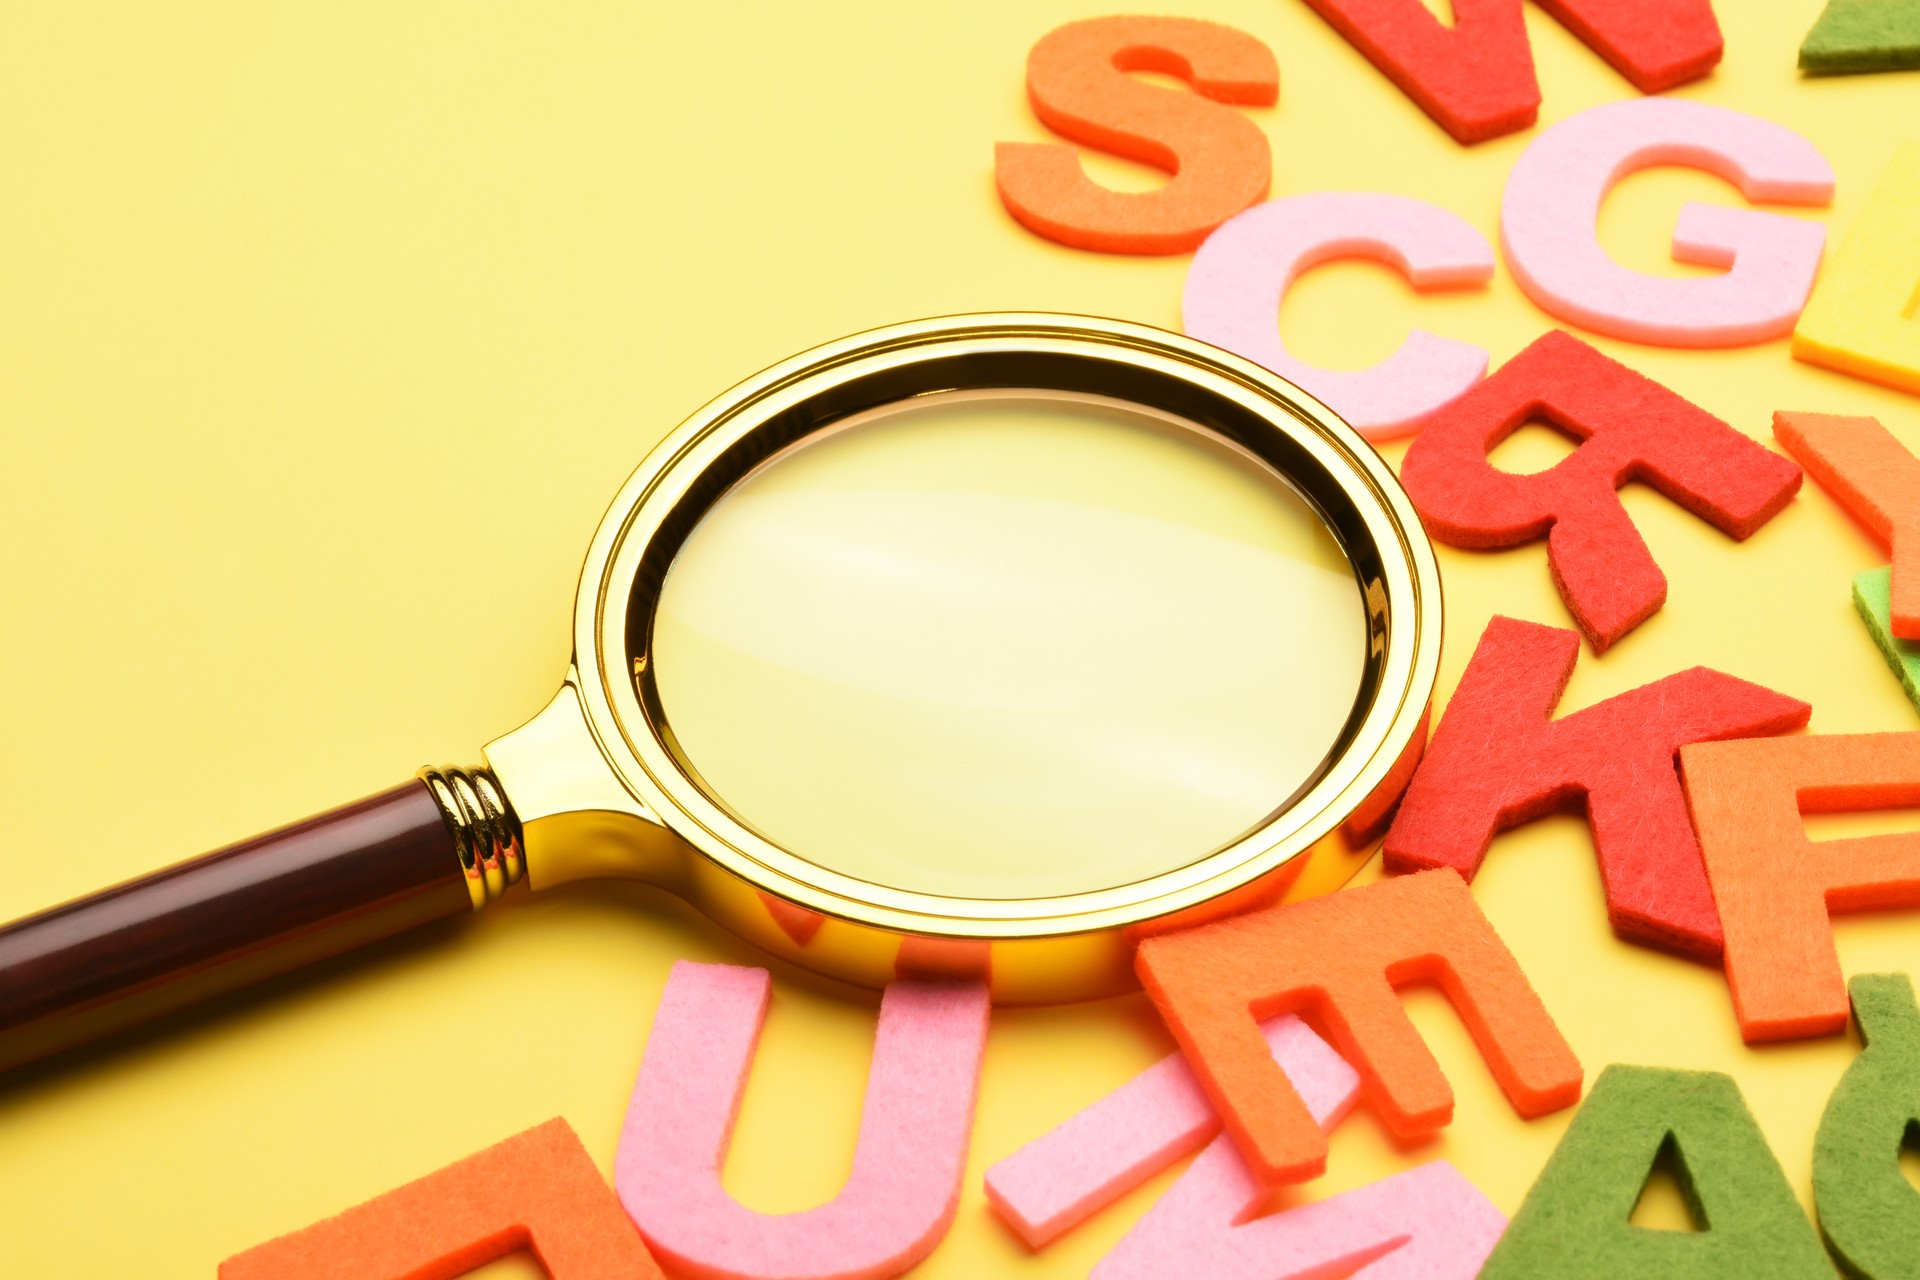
(1008, 645)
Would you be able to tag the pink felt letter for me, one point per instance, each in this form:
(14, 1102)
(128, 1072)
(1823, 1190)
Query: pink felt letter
(1240, 275)
(1553, 199)
(1426, 1224)
(1093, 1158)
(905, 1183)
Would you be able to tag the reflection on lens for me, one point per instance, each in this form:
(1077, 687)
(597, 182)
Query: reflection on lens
(1008, 646)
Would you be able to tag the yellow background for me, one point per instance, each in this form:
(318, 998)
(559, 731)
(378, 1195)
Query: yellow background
(326, 332)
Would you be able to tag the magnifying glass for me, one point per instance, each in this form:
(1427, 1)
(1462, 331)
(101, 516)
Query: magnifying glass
(977, 647)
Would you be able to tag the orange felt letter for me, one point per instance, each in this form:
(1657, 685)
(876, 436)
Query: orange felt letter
(537, 1190)
(1342, 956)
(1875, 478)
(1775, 887)
(1078, 84)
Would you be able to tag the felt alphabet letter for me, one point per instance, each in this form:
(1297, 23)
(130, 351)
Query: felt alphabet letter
(1775, 887)
(1553, 199)
(1343, 955)
(1090, 1160)
(1863, 35)
(1428, 1223)
(1631, 428)
(1497, 761)
(1656, 44)
(1873, 600)
(1241, 273)
(1476, 78)
(1574, 1224)
(905, 1183)
(1877, 480)
(537, 1191)
(1077, 83)
(1869, 1212)
(1859, 320)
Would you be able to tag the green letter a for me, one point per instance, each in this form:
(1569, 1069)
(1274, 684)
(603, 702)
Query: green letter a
(1575, 1224)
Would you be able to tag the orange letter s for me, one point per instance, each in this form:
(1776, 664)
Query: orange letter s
(1078, 83)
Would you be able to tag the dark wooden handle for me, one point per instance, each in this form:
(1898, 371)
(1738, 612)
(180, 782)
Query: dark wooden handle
(250, 911)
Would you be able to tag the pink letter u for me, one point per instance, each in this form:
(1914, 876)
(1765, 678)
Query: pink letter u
(905, 1185)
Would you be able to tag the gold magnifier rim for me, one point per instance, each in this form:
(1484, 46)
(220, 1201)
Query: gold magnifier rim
(635, 740)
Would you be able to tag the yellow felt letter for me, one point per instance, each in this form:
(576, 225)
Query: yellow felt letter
(1860, 318)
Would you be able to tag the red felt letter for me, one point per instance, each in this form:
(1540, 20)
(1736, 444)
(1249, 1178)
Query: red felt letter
(1631, 428)
(1476, 78)
(537, 1190)
(1343, 955)
(1775, 887)
(1077, 82)
(1497, 760)
(1655, 44)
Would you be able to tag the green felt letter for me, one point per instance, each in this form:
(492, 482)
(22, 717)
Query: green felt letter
(1574, 1225)
(1863, 35)
(1869, 1212)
